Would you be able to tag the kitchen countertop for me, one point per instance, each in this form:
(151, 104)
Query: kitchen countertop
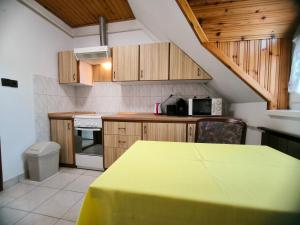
(149, 117)
(66, 115)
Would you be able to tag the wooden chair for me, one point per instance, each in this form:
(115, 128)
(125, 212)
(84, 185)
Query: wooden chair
(220, 130)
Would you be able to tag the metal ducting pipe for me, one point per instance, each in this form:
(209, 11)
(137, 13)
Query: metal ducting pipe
(102, 29)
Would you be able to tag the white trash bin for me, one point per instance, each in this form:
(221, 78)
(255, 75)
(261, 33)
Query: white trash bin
(42, 160)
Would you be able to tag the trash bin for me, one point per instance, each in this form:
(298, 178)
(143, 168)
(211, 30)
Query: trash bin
(42, 160)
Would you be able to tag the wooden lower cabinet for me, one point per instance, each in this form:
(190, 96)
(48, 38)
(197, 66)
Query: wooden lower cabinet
(164, 132)
(62, 132)
(118, 137)
(191, 130)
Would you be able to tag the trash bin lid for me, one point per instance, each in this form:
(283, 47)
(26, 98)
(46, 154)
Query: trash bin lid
(43, 148)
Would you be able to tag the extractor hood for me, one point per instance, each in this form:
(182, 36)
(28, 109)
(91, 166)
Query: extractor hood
(92, 53)
(98, 52)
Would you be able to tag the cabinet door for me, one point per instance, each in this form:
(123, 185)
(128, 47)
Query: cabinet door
(154, 61)
(123, 128)
(182, 67)
(164, 132)
(62, 133)
(67, 67)
(125, 63)
(191, 129)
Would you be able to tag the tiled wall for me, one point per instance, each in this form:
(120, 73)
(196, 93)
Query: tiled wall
(49, 96)
(105, 98)
(132, 97)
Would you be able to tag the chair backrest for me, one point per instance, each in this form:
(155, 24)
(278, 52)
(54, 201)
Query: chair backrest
(220, 130)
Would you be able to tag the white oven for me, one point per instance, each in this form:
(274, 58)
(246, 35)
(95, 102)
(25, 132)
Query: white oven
(88, 141)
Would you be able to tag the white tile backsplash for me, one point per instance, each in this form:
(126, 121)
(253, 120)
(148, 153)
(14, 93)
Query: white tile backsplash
(50, 96)
(132, 97)
(108, 97)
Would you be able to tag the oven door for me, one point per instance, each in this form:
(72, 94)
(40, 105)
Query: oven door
(202, 106)
(88, 141)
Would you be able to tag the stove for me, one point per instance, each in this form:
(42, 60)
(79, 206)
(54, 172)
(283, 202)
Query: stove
(88, 121)
(88, 141)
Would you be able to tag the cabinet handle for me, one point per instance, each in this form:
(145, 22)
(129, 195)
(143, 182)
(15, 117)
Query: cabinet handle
(114, 75)
(69, 126)
(190, 131)
(142, 73)
(198, 72)
(74, 78)
(145, 130)
(122, 128)
(122, 142)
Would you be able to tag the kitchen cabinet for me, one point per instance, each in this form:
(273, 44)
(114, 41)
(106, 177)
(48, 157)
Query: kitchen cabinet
(62, 132)
(191, 129)
(72, 71)
(67, 67)
(102, 72)
(118, 137)
(164, 132)
(182, 67)
(154, 61)
(125, 63)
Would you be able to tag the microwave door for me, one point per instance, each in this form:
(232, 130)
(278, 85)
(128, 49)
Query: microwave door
(202, 107)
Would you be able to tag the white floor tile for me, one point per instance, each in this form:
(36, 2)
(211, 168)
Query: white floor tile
(59, 204)
(31, 182)
(10, 216)
(35, 219)
(72, 170)
(4, 199)
(92, 173)
(64, 222)
(73, 212)
(18, 190)
(59, 181)
(31, 200)
(81, 184)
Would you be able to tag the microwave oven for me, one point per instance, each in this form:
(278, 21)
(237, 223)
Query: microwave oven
(205, 106)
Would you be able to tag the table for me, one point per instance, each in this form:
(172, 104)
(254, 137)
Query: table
(168, 183)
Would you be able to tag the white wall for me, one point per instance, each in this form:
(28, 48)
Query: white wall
(255, 114)
(28, 46)
(166, 21)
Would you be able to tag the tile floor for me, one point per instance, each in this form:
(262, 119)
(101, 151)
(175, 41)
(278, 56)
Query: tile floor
(56, 200)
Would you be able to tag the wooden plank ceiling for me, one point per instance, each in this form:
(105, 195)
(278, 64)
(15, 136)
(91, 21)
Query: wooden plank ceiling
(233, 20)
(78, 13)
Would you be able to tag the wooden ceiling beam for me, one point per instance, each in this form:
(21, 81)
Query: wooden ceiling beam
(189, 14)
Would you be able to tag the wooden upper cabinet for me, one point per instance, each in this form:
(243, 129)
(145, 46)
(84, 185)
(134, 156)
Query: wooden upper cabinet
(73, 72)
(67, 67)
(164, 132)
(154, 61)
(125, 63)
(182, 67)
(62, 133)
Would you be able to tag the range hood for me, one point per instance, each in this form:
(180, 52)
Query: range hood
(92, 53)
(96, 53)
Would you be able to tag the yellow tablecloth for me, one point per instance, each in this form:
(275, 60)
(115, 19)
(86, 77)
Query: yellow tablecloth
(165, 183)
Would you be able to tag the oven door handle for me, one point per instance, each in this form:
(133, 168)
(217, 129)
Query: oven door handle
(87, 129)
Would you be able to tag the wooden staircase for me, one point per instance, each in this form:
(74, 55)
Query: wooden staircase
(263, 63)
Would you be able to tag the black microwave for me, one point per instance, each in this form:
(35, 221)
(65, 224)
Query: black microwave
(205, 106)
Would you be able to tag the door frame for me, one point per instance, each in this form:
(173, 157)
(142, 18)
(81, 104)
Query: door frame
(1, 176)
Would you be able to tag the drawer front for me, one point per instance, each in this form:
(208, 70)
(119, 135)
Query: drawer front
(111, 155)
(120, 141)
(123, 128)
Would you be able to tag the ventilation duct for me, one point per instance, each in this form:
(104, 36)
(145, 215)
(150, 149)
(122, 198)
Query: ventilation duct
(95, 53)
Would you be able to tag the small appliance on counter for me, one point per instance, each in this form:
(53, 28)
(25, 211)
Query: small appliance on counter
(157, 109)
(181, 107)
(205, 106)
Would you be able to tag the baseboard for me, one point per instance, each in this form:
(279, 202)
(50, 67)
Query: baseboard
(11, 182)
